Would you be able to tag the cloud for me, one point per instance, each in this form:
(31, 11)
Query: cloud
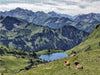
(91, 0)
(72, 7)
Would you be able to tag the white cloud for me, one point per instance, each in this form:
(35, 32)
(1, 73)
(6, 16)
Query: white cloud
(72, 7)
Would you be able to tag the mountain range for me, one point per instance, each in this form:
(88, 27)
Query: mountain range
(19, 34)
(88, 18)
(85, 22)
(28, 30)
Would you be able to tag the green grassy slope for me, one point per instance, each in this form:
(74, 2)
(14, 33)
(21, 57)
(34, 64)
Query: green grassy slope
(13, 61)
(90, 60)
(11, 65)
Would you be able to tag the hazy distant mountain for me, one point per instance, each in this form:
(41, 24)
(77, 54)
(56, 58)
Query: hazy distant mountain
(55, 22)
(53, 14)
(30, 15)
(85, 22)
(88, 18)
(20, 13)
(39, 17)
(20, 34)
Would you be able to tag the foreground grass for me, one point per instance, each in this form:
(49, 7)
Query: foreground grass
(90, 62)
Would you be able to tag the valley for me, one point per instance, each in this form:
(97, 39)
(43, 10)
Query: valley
(39, 43)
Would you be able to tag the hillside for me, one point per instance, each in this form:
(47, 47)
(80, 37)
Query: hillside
(88, 54)
(19, 34)
(13, 61)
(92, 42)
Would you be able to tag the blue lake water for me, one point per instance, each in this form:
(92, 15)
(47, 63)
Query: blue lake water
(53, 56)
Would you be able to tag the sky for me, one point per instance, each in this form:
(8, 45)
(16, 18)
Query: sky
(71, 7)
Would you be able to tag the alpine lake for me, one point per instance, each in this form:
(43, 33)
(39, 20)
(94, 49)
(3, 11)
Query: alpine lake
(53, 56)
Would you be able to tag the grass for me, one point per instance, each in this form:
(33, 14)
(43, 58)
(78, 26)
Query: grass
(90, 64)
(88, 54)
(11, 64)
(13, 61)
